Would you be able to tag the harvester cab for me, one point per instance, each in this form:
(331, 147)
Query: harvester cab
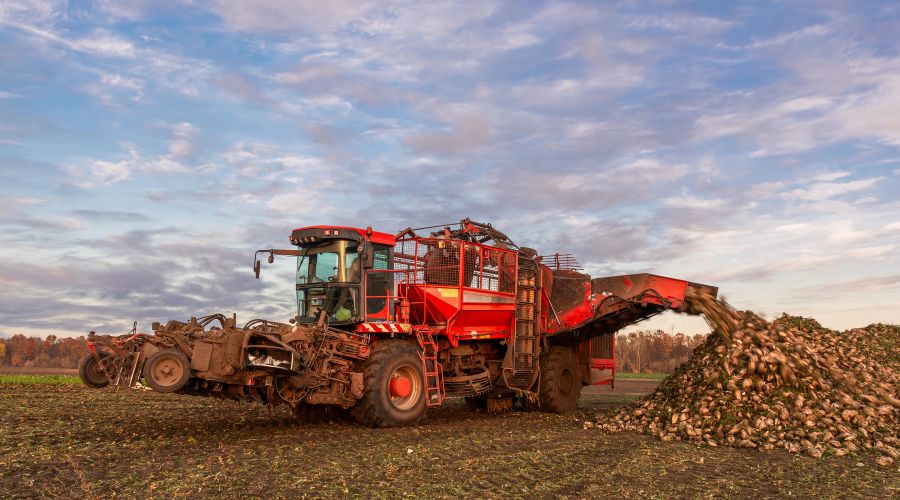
(334, 265)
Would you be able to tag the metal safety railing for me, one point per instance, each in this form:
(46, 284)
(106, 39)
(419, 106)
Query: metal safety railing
(448, 263)
(438, 261)
(561, 262)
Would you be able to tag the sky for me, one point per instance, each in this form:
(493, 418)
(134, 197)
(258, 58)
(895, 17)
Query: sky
(147, 148)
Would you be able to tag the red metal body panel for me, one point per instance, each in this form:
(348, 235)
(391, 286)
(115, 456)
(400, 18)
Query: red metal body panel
(603, 296)
(565, 320)
(375, 237)
(601, 359)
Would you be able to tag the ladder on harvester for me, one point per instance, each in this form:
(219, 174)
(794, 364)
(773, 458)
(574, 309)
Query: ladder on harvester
(525, 342)
(431, 369)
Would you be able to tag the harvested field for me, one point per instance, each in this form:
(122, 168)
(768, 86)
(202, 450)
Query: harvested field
(74, 441)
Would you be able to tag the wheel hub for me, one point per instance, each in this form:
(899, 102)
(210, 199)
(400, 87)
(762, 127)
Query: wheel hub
(405, 387)
(167, 371)
(400, 387)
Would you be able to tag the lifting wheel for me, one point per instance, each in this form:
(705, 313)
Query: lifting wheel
(167, 370)
(91, 371)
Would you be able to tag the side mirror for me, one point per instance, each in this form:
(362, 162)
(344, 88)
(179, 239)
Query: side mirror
(256, 266)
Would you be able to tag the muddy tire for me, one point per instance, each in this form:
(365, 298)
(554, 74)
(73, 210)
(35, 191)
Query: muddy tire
(90, 372)
(560, 387)
(393, 386)
(167, 370)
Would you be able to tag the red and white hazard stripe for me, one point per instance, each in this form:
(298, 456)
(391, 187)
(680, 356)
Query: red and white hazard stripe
(384, 327)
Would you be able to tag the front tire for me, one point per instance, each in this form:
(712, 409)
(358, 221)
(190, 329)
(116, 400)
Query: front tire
(393, 386)
(560, 388)
(91, 373)
(167, 370)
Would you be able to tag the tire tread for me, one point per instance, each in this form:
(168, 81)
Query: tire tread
(369, 410)
(552, 364)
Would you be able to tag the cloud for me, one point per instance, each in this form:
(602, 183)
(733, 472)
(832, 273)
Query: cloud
(105, 173)
(121, 66)
(870, 285)
(687, 201)
(825, 190)
(104, 43)
(830, 176)
(334, 85)
(241, 86)
(821, 101)
(813, 31)
(183, 140)
(186, 75)
(126, 283)
(685, 23)
(286, 16)
(22, 212)
(321, 133)
(468, 129)
(759, 272)
(801, 104)
(134, 10)
(110, 215)
(39, 12)
(100, 43)
(110, 86)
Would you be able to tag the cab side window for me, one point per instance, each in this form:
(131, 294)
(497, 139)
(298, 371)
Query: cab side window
(379, 284)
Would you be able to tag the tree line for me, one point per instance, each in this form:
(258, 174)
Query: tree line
(654, 351)
(51, 352)
(636, 352)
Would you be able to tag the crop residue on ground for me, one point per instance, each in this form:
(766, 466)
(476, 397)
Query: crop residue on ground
(77, 442)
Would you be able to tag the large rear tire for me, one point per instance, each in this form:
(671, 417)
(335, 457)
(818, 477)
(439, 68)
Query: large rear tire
(167, 370)
(393, 386)
(560, 387)
(90, 372)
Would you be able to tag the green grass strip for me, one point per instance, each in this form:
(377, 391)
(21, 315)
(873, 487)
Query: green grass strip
(39, 380)
(650, 376)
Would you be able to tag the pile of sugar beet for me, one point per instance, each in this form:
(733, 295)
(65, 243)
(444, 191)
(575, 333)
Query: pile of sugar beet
(789, 383)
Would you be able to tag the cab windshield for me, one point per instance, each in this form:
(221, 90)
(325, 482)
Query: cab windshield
(337, 261)
(327, 280)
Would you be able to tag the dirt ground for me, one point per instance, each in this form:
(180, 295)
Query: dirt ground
(74, 441)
